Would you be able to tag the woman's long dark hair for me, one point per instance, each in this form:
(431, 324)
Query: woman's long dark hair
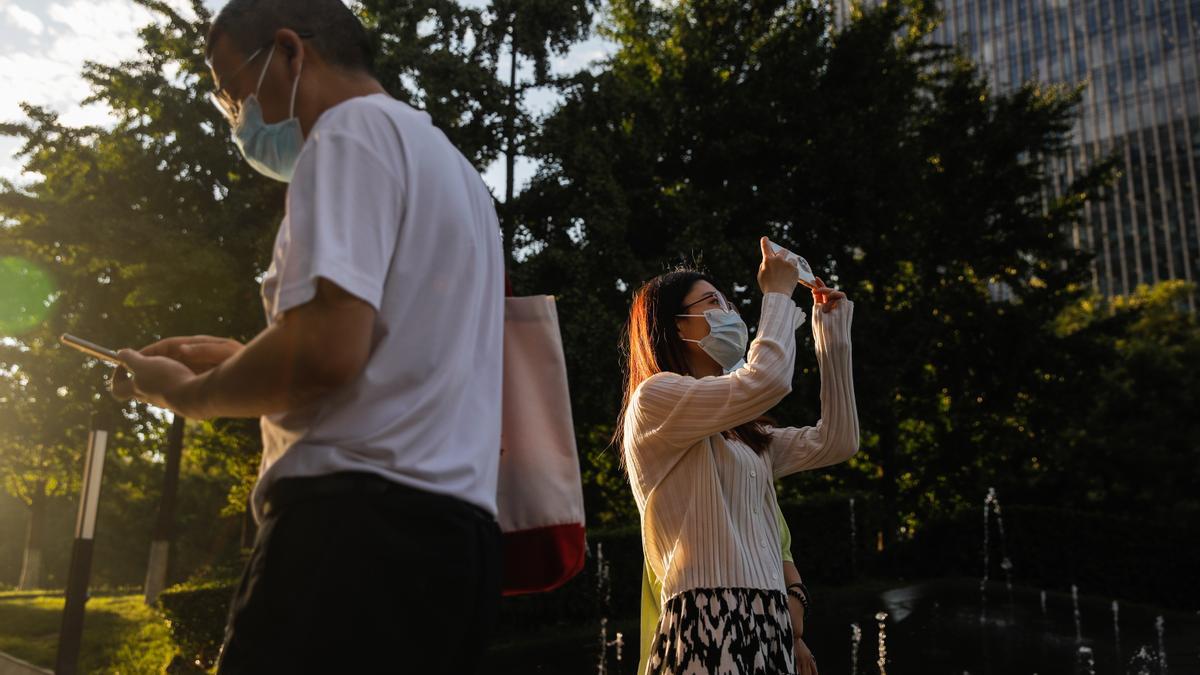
(652, 345)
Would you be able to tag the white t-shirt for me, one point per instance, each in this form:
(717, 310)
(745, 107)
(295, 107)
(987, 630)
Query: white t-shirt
(382, 205)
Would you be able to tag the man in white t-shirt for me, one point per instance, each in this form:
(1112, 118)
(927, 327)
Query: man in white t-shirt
(378, 376)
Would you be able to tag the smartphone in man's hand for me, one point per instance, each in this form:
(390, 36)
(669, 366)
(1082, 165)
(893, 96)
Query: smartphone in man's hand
(90, 348)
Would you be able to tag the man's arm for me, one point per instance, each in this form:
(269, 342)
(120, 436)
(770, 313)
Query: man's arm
(312, 350)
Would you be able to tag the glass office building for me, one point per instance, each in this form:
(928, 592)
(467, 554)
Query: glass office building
(1140, 60)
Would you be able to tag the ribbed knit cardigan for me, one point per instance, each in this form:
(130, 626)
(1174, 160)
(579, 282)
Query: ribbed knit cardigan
(708, 503)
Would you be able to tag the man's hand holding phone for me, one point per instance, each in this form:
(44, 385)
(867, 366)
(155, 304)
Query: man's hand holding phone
(201, 353)
(157, 380)
(158, 372)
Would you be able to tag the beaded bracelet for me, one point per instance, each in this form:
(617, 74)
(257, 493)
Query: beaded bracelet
(801, 595)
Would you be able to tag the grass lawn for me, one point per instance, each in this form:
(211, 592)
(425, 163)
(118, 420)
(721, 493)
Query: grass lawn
(120, 633)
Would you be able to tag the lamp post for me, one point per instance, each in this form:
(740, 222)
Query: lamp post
(164, 527)
(71, 634)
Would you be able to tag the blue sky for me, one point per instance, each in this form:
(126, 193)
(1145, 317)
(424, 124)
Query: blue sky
(43, 44)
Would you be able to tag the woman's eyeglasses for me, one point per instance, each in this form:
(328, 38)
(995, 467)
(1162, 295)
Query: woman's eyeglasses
(711, 296)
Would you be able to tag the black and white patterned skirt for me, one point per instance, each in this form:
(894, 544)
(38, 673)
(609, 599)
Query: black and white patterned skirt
(725, 631)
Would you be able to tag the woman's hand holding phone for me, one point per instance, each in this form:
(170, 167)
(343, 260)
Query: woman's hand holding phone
(776, 274)
(827, 298)
(779, 274)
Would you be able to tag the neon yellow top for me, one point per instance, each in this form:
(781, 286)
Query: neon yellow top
(651, 588)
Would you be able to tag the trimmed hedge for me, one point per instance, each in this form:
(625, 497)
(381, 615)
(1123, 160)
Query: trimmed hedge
(826, 551)
(821, 544)
(197, 610)
(196, 613)
(1053, 548)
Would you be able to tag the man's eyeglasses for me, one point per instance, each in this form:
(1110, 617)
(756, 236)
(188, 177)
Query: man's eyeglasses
(224, 101)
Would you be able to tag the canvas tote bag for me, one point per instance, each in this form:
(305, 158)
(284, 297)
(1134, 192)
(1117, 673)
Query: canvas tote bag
(540, 497)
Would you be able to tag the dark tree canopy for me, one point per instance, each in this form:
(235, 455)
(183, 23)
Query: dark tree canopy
(887, 161)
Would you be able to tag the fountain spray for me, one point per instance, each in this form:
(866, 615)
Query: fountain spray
(855, 641)
(881, 617)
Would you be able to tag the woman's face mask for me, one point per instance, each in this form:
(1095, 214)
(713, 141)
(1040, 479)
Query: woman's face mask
(727, 334)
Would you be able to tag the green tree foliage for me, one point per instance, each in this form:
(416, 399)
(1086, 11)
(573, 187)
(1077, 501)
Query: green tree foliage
(155, 226)
(149, 228)
(447, 59)
(442, 58)
(1131, 444)
(39, 459)
(886, 161)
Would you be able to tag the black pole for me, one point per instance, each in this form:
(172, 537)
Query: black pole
(70, 637)
(508, 227)
(71, 634)
(163, 536)
(510, 122)
(164, 526)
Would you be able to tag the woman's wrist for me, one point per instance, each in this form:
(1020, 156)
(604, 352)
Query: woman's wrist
(799, 591)
(780, 297)
(782, 290)
(796, 609)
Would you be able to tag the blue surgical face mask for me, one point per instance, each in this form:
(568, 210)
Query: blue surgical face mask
(726, 340)
(272, 149)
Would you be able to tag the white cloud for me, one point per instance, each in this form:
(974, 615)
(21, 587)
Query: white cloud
(48, 74)
(24, 19)
(104, 31)
(9, 169)
(38, 80)
(584, 54)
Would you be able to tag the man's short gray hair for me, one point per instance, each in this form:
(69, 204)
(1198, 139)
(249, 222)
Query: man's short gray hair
(337, 34)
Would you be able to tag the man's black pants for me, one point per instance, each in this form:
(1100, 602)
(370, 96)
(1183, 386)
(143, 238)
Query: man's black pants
(352, 573)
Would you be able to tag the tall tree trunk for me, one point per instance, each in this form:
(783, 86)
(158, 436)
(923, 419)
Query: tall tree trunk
(164, 527)
(31, 564)
(510, 150)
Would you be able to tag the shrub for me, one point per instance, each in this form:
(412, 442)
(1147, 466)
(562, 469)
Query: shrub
(196, 612)
(1131, 559)
(821, 542)
(824, 549)
(1053, 548)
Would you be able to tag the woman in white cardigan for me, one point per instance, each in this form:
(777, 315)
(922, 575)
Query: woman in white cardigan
(702, 468)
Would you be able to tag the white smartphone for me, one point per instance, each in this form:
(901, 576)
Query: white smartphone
(806, 274)
(90, 348)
